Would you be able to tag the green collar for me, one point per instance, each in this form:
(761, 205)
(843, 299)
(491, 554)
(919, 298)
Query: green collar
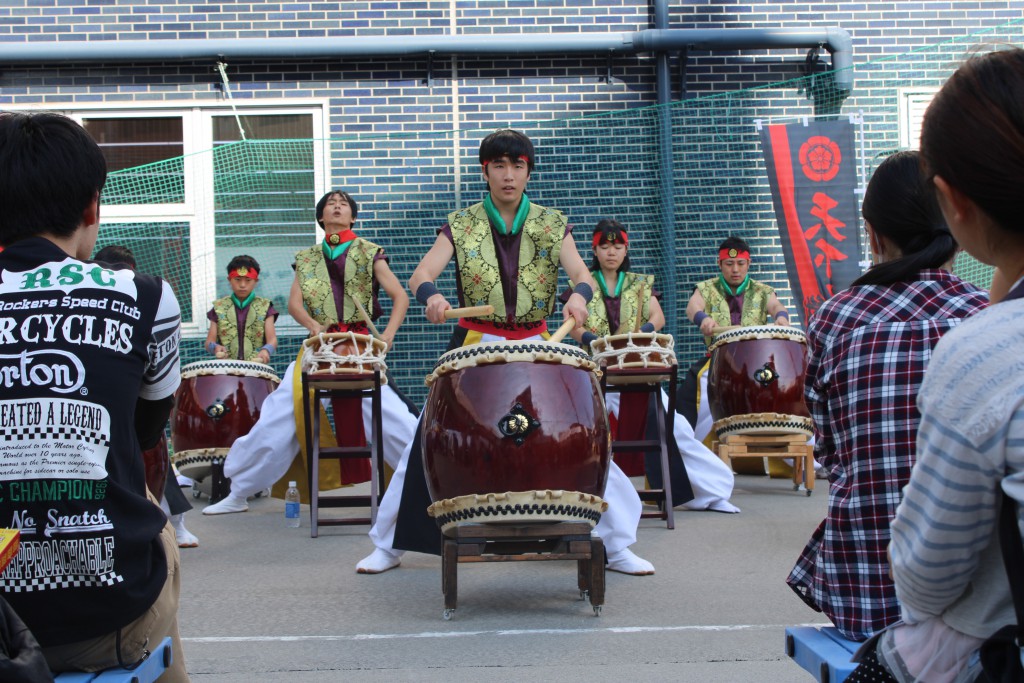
(599, 276)
(495, 215)
(739, 290)
(332, 253)
(242, 304)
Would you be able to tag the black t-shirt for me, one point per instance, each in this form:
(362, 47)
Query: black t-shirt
(79, 345)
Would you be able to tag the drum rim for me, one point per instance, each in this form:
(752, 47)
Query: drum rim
(261, 370)
(784, 423)
(513, 507)
(751, 332)
(449, 362)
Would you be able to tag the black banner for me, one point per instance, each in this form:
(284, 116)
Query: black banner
(813, 177)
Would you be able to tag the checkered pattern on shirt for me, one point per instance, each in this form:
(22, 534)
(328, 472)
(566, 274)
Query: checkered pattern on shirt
(867, 351)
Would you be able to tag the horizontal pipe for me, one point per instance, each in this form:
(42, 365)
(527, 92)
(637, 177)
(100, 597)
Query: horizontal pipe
(836, 40)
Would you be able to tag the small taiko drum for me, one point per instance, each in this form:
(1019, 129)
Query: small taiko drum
(756, 381)
(157, 464)
(646, 350)
(515, 432)
(218, 401)
(344, 354)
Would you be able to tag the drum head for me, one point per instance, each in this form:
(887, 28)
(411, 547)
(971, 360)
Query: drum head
(488, 353)
(240, 368)
(783, 332)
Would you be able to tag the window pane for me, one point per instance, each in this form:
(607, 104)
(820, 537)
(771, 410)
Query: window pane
(159, 249)
(264, 195)
(144, 159)
(136, 141)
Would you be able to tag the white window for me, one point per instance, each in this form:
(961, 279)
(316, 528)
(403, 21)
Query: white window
(196, 197)
(913, 103)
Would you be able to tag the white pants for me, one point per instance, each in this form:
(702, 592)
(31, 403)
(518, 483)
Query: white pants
(617, 527)
(710, 478)
(257, 460)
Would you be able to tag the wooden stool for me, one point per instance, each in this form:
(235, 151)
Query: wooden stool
(648, 381)
(356, 385)
(525, 542)
(793, 446)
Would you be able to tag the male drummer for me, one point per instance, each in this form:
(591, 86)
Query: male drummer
(730, 298)
(329, 278)
(507, 252)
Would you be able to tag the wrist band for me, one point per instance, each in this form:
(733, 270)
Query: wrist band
(584, 290)
(269, 348)
(588, 337)
(699, 318)
(211, 347)
(425, 291)
(647, 327)
(784, 313)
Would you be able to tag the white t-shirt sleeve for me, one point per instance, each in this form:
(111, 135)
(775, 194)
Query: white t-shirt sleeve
(163, 372)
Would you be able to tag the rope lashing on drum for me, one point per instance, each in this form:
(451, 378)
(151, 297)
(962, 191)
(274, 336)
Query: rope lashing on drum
(638, 344)
(367, 360)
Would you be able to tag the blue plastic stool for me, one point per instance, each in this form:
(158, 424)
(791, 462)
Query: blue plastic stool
(148, 671)
(821, 651)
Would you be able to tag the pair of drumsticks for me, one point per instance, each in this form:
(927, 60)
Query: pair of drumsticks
(464, 312)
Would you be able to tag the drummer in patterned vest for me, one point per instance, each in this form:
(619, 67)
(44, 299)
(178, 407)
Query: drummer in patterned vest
(242, 324)
(507, 252)
(328, 277)
(731, 298)
(615, 307)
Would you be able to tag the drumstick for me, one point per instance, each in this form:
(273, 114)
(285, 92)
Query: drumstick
(365, 317)
(468, 312)
(566, 327)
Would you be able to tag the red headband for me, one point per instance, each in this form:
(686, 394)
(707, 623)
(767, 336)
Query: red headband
(522, 157)
(732, 253)
(610, 237)
(242, 271)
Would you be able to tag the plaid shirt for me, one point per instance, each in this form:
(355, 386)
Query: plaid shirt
(868, 348)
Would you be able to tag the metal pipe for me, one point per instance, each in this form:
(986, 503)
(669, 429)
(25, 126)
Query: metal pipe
(836, 40)
(666, 165)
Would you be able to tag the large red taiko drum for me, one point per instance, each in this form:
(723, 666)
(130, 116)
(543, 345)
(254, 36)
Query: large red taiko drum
(515, 431)
(218, 401)
(756, 381)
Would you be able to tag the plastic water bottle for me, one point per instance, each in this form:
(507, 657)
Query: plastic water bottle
(292, 514)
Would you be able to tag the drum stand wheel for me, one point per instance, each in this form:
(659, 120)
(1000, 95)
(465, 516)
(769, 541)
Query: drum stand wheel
(528, 542)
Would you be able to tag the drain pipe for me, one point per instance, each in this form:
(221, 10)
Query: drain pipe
(73, 53)
(666, 165)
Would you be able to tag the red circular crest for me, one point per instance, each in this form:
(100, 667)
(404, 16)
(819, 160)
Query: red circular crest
(820, 158)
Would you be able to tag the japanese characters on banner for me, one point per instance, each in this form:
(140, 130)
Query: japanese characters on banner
(812, 171)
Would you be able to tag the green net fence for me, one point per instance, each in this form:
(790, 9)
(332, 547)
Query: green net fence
(186, 217)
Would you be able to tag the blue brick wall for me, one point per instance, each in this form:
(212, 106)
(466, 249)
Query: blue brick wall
(397, 136)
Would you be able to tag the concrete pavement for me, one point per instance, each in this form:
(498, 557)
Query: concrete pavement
(262, 602)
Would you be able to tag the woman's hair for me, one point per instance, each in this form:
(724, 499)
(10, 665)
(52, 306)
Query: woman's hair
(973, 135)
(612, 226)
(900, 204)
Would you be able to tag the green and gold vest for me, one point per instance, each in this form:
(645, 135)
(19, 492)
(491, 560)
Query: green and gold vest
(227, 326)
(542, 234)
(597, 312)
(755, 303)
(315, 282)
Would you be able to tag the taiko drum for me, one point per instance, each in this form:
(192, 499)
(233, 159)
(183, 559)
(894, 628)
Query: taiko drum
(218, 401)
(756, 381)
(515, 431)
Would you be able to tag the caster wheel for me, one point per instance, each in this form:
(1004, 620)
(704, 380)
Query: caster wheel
(584, 595)
(597, 610)
(796, 487)
(195, 491)
(809, 493)
(447, 615)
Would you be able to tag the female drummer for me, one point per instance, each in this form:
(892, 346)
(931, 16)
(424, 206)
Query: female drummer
(242, 324)
(487, 241)
(616, 308)
(329, 276)
(868, 348)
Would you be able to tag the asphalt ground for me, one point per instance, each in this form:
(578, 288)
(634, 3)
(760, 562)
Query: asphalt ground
(262, 602)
